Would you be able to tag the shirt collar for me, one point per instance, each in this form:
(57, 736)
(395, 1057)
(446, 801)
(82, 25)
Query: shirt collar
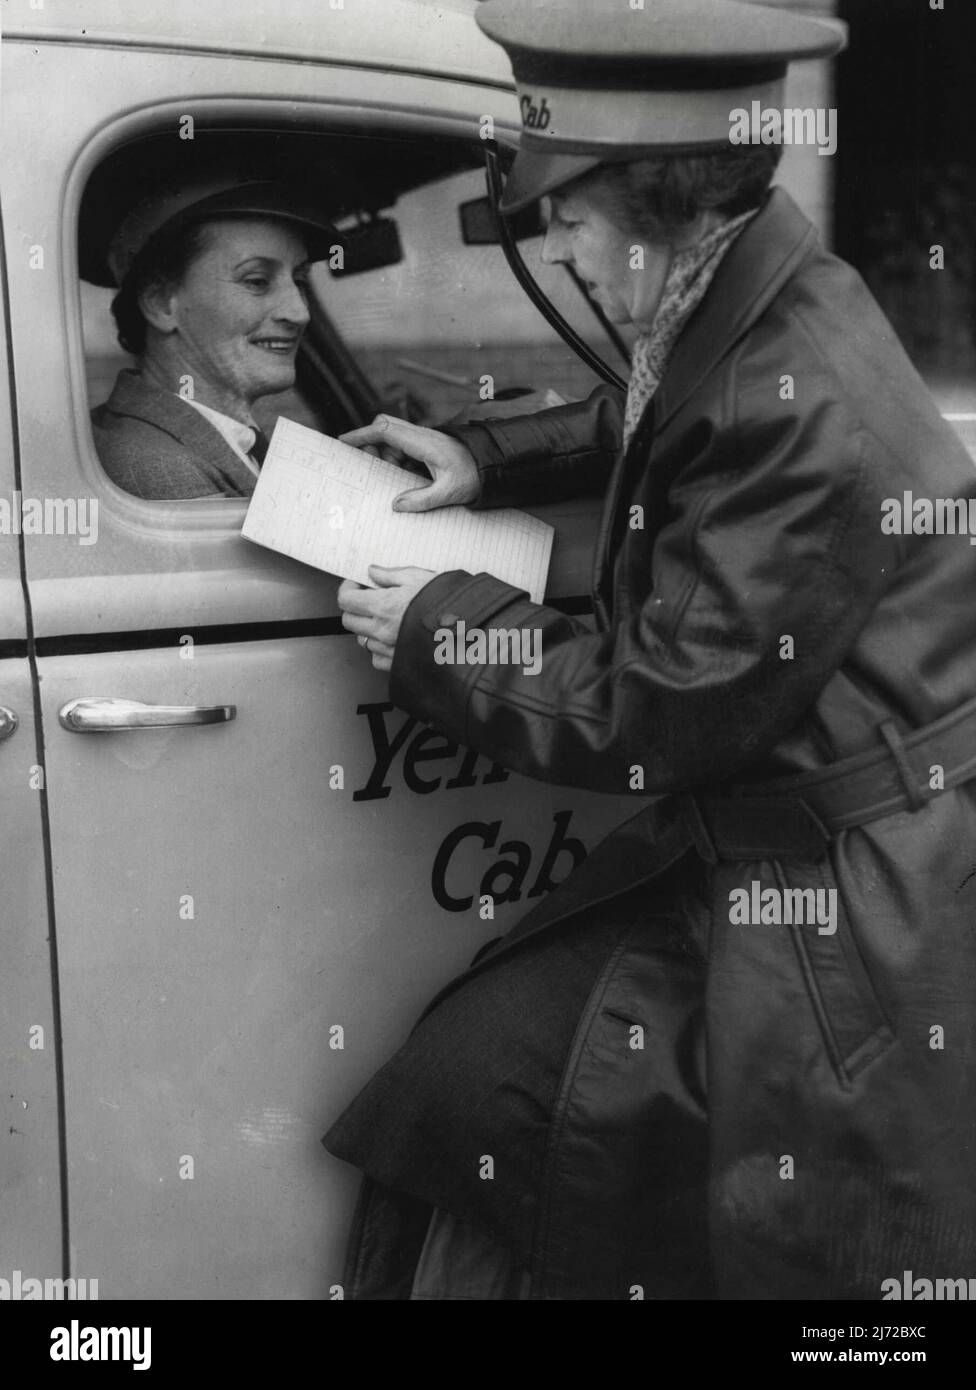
(239, 436)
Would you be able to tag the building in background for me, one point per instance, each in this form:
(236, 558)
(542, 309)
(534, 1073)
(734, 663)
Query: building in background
(808, 175)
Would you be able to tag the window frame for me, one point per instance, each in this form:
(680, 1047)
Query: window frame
(210, 518)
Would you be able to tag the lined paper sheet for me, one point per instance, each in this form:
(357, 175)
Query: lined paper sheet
(328, 505)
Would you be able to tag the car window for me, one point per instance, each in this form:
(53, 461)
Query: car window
(449, 329)
(407, 318)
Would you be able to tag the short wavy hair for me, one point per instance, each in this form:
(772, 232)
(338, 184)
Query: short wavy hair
(658, 197)
(160, 265)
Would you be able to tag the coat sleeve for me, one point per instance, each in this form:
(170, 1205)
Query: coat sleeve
(563, 452)
(771, 535)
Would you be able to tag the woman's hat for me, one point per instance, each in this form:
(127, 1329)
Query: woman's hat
(607, 80)
(176, 204)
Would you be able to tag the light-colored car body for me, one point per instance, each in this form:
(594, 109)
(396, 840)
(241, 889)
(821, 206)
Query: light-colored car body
(212, 935)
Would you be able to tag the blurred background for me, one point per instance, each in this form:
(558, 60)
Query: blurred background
(905, 177)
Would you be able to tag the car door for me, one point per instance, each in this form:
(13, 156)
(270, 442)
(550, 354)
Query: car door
(254, 899)
(30, 1186)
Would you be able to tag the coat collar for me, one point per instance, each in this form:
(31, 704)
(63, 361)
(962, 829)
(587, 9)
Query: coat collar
(134, 396)
(758, 265)
(756, 268)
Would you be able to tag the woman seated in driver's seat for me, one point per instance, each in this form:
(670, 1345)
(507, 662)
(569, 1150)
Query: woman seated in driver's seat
(212, 303)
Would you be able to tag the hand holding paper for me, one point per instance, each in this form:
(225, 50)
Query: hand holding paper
(375, 615)
(330, 505)
(453, 472)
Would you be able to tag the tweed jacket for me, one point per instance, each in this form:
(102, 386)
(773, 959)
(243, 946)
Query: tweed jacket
(157, 446)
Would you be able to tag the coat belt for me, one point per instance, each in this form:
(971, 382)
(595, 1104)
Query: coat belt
(794, 818)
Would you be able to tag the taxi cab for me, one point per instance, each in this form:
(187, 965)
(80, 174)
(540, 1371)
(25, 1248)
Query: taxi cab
(234, 871)
(217, 926)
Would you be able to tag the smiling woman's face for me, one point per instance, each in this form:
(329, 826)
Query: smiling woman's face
(235, 319)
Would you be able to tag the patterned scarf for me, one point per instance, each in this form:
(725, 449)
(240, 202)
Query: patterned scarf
(690, 274)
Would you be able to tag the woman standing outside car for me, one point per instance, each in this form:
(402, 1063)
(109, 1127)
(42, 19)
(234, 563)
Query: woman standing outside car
(733, 1053)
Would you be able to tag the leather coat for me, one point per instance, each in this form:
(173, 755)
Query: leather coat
(796, 1115)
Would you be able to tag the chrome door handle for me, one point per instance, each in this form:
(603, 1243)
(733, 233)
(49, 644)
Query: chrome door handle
(97, 715)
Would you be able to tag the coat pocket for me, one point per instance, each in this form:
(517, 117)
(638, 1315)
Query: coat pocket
(852, 1021)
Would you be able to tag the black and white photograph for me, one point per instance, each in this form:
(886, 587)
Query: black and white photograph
(488, 665)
